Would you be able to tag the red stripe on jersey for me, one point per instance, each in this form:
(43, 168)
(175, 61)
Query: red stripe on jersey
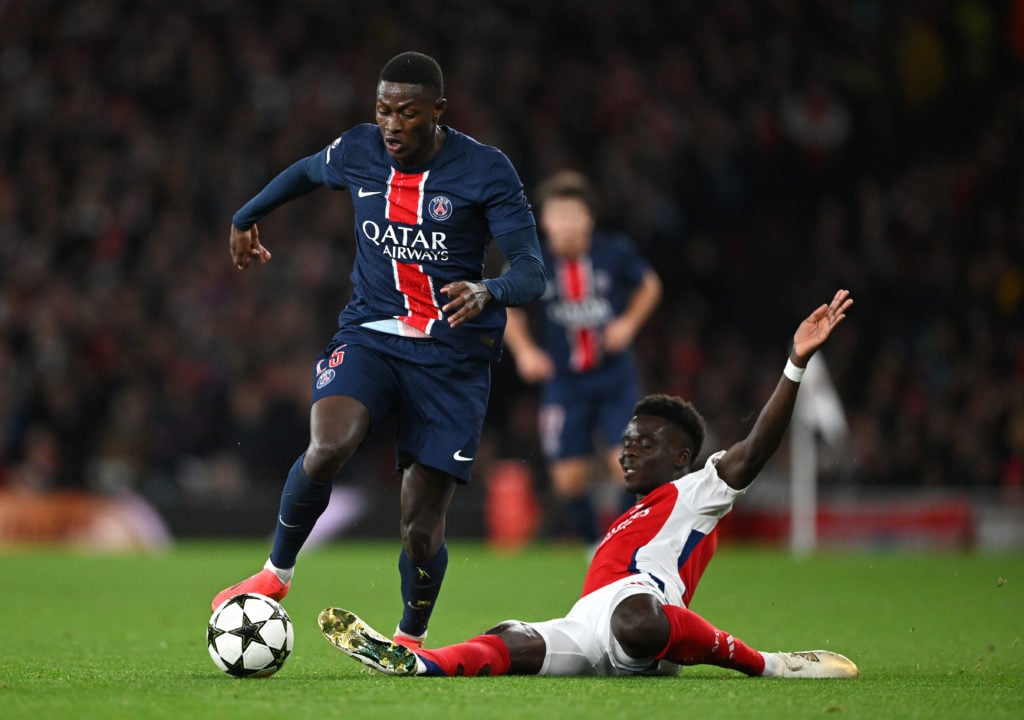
(634, 529)
(405, 197)
(585, 349)
(418, 291)
(642, 527)
(574, 281)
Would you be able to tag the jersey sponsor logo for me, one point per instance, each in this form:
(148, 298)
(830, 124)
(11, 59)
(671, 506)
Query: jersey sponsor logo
(634, 515)
(325, 378)
(407, 244)
(440, 208)
(363, 192)
(592, 312)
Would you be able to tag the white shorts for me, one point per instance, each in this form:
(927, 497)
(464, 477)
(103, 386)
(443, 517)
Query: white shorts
(581, 643)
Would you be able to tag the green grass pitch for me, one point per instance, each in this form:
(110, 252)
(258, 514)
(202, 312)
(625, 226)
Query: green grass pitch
(122, 636)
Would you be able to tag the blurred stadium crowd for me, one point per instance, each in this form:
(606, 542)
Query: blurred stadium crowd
(761, 154)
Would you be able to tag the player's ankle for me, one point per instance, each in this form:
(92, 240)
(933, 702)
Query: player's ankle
(283, 574)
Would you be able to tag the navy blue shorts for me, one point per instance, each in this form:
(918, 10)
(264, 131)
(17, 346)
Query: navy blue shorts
(438, 395)
(576, 409)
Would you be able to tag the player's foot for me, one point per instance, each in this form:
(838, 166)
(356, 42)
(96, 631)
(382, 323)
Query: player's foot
(265, 582)
(347, 632)
(809, 664)
(413, 642)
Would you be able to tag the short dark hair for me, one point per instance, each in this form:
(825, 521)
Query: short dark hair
(414, 68)
(567, 184)
(680, 413)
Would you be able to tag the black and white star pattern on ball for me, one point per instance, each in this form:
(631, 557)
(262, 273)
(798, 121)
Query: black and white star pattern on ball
(249, 636)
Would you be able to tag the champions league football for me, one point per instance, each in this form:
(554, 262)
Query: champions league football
(250, 635)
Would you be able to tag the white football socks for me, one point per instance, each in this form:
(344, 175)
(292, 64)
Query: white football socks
(771, 664)
(284, 575)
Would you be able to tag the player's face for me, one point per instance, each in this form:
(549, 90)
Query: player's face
(654, 452)
(567, 224)
(407, 116)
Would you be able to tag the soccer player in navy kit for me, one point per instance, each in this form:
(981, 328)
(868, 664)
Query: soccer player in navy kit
(418, 335)
(599, 294)
(633, 617)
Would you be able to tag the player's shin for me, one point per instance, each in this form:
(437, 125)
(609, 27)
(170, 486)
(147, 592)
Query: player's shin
(477, 657)
(421, 584)
(303, 500)
(695, 641)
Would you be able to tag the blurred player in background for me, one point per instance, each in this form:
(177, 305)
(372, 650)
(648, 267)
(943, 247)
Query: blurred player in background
(633, 616)
(417, 337)
(599, 294)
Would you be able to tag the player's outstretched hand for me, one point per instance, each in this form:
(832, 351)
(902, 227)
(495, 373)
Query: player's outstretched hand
(814, 331)
(467, 300)
(244, 245)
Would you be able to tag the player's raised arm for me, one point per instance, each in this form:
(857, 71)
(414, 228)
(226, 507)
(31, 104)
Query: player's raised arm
(744, 460)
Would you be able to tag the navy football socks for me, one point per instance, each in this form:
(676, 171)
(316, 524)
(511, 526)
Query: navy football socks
(303, 500)
(421, 584)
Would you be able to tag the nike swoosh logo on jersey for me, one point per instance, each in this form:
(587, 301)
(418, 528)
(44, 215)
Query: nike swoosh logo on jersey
(460, 457)
(368, 193)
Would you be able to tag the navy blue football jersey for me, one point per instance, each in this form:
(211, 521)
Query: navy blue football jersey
(583, 295)
(420, 228)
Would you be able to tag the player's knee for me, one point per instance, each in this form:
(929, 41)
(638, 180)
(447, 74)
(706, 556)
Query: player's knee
(526, 646)
(502, 627)
(421, 540)
(324, 458)
(640, 627)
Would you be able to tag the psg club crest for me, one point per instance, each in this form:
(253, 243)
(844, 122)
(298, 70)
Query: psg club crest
(325, 377)
(440, 208)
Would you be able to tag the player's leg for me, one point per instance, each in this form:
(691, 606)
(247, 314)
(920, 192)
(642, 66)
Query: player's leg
(510, 648)
(616, 409)
(613, 470)
(566, 421)
(640, 623)
(440, 419)
(646, 628)
(570, 481)
(352, 385)
(337, 425)
(426, 495)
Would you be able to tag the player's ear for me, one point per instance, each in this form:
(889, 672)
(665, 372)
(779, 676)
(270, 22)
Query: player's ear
(683, 458)
(439, 107)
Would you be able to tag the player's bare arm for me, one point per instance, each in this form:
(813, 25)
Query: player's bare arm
(744, 460)
(815, 330)
(532, 362)
(244, 245)
(467, 300)
(619, 333)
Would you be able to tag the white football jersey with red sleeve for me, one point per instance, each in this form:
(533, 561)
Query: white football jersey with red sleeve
(669, 534)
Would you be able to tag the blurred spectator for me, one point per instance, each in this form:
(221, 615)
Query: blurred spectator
(885, 137)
